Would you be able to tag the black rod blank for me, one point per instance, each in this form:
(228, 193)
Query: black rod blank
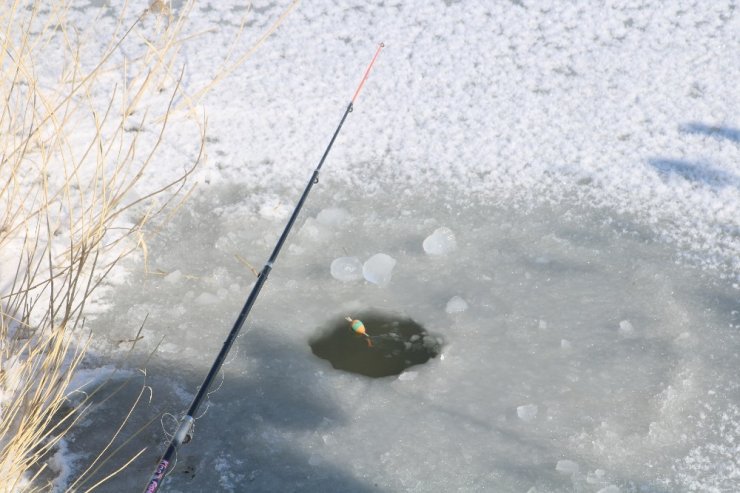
(184, 432)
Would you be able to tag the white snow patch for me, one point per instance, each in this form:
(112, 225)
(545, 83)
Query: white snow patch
(85, 378)
(63, 464)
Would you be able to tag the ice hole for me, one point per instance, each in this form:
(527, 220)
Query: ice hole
(397, 343)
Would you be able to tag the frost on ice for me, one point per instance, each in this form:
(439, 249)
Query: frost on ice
(346, 269)
(456, 305)
(378, 269)
(441, 242)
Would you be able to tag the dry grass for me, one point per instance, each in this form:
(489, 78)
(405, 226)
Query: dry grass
(80, 128)
(69, 170)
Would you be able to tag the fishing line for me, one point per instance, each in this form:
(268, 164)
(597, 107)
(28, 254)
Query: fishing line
(184, 433)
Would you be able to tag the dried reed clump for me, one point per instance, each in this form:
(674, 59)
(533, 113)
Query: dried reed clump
(81, 124)
(80, 127)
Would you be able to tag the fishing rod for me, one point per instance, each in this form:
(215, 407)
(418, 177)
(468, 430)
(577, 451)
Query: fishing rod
(184, 433)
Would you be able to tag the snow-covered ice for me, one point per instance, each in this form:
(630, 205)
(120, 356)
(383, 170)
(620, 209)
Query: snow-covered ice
(586, 156)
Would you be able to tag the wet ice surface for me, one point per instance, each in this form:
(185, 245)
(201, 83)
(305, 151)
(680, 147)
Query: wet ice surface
(587, 359)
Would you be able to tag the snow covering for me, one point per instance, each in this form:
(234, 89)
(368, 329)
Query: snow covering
(586, 156)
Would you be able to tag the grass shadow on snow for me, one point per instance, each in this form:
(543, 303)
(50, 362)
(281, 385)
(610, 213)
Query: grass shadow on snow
(728, 133)
(696, 172)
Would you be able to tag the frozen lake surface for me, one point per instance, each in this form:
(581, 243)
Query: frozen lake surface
(583, 340)
(555, 191)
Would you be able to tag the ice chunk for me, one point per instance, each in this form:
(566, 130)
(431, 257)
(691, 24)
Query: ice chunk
(378, 269)
(346, 269)
(334, 217)
(527, 412)
(565, 344)
(441, 242)
(456, 305)
(626, 328)
(566, 466)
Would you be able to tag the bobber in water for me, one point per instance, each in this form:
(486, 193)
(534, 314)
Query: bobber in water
(359, 328)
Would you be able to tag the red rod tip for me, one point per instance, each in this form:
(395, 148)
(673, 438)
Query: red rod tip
(367, 71)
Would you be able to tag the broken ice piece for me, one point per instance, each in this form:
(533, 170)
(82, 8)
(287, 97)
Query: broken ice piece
(626, 328)
(456, 305)
(378, 269)
(441, 242)
(527, 412)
